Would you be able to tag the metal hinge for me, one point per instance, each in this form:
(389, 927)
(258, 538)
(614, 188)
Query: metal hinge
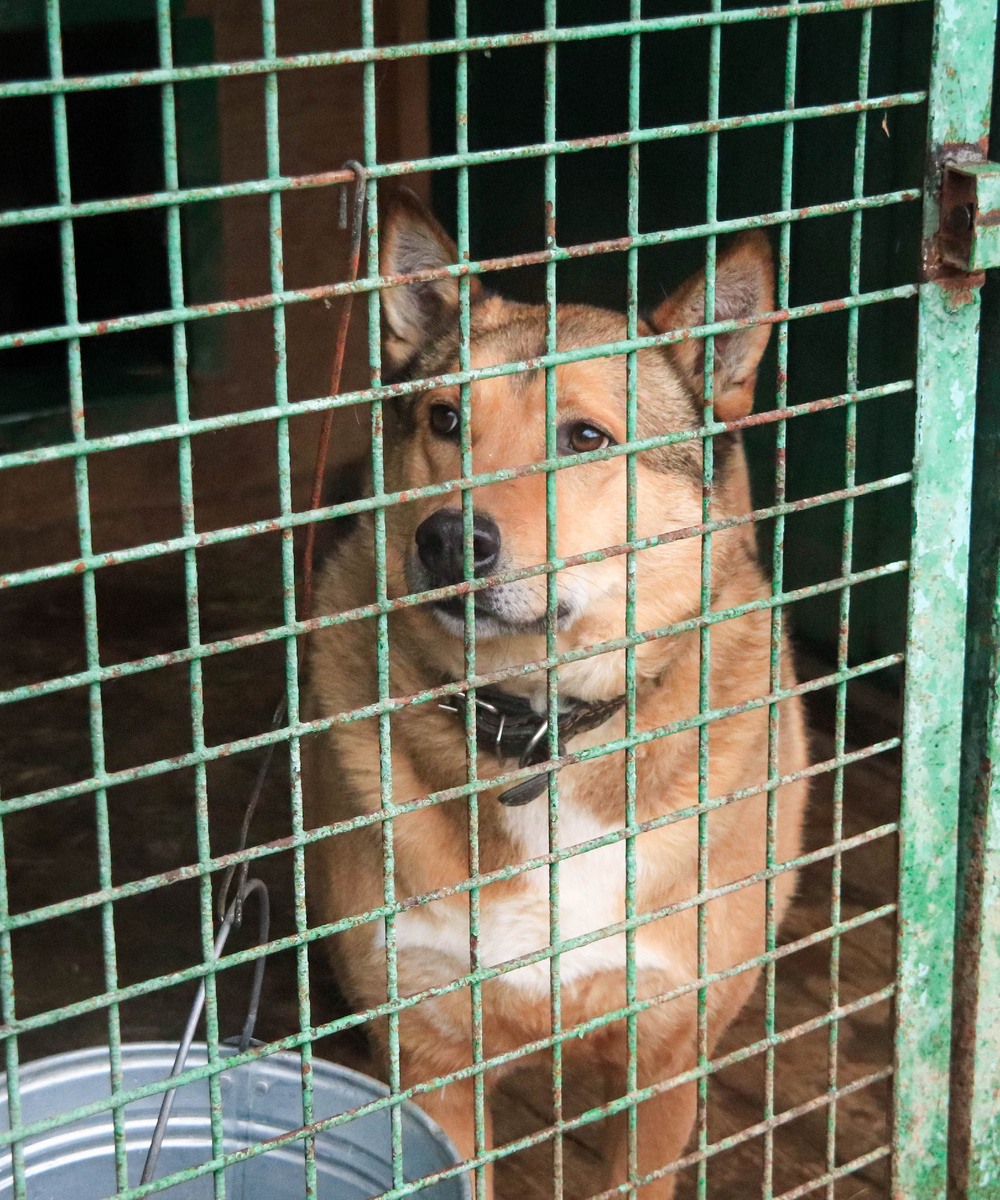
(969, 234)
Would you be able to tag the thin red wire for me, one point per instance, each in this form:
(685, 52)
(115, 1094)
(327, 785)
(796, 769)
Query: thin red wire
(323, 445)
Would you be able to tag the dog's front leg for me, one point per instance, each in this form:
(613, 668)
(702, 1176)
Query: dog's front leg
(453, 1107)
(663, 1127)
(430, 1048)
(664, 1121)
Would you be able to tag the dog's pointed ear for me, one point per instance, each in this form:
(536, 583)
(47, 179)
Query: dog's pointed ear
(744, 286)
(411, 240)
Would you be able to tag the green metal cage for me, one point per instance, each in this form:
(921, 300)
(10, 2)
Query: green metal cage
(883, 515)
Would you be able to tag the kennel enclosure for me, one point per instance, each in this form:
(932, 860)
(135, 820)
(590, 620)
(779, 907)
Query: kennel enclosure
(161, 407)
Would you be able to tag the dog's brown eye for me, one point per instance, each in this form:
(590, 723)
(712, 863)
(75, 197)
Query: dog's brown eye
(582, 437)
(444, 420)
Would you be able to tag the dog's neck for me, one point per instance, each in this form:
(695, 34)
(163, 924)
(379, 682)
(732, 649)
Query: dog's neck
(512, 731)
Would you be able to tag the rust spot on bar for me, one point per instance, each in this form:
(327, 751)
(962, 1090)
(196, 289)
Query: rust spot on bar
(958, 284)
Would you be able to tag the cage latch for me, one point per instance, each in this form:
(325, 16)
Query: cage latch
(969, 233)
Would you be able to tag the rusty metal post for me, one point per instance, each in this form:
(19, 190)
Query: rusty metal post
(974, 1162)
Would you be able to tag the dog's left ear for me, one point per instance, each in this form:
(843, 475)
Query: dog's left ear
(744, 286)
(412, 240)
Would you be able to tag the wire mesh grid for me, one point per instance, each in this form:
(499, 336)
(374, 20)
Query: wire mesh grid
(290, 632)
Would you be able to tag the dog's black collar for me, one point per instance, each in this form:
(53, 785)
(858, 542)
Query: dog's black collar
(508, 727)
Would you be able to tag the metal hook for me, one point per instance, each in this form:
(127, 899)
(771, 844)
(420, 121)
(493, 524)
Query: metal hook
(251, 808)
(536, 737)
(264, 928)
(360, 176)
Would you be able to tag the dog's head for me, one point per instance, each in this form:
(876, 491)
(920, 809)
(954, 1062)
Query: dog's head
(421, 339)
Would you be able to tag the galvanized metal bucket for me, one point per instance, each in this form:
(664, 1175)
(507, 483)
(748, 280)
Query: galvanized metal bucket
(260, 1100)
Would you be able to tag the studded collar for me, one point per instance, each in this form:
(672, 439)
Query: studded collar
(509, 728)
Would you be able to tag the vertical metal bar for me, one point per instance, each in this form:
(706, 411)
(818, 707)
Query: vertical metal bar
(469, 567)
(53, 30)
(974, 1152)
(381, 592)
(277, 277)
(276, 262)
(705, 599)
(171, 181)
(777, 587)
(631, 568)
(552, 594)
(947, 349)
(843, 637)
(8, 1012)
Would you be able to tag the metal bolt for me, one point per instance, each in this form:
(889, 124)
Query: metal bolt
(261, 1087)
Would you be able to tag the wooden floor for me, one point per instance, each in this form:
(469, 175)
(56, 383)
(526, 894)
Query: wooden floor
(52, 855)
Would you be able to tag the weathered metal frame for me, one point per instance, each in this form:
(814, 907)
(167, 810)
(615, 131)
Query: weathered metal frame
(937, 570)
(975, 1133)
(947, 355)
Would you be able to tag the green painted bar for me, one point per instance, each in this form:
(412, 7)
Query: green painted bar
(974, 1163)
(469, 571)
(159, 433)
(705, 596)
(847, 558)
(81, 482)
(210, 649)
(256, 187)
(947, 353)
(631, 516)
(8, 1009)
(265, 849)
(65, 332)
(552, 594)
(369, 53)
(777, 586)
(353, 1019)
(288, 571)
(586, 1118)
(257, 741)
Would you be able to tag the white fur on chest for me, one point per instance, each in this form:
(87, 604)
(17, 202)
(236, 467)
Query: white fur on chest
(591, 896)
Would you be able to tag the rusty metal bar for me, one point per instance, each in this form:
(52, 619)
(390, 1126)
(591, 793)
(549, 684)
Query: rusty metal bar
(372, 53)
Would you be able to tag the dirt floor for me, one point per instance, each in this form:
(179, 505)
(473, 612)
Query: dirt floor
(51, 856)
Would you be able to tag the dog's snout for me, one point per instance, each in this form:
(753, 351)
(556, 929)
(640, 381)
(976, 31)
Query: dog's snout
(440, 546)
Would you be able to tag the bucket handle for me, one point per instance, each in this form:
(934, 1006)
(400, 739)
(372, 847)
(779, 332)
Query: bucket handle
(251, 886)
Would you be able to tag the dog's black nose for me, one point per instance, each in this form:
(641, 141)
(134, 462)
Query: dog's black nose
(439, 544)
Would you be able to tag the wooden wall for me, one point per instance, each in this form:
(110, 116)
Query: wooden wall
(134, 492)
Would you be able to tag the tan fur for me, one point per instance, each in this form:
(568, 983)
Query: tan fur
(428, 753)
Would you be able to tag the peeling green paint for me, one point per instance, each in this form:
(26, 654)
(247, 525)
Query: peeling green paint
(948, 344)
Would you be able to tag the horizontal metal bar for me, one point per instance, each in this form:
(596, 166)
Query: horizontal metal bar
(848, 1168)
(153, 662)
(293, 1041)
(196, 541)
(641, 1095)
(223, 862)
(397, 704)
(787, 1115)
(558, 1128)
(578, 33)
(483, 974)
(178, 429)
(272, 300)
(442, 162)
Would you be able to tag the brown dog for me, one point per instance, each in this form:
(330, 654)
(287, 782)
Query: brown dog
(431, 845)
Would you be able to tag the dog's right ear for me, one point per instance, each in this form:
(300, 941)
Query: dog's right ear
(411, 240)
